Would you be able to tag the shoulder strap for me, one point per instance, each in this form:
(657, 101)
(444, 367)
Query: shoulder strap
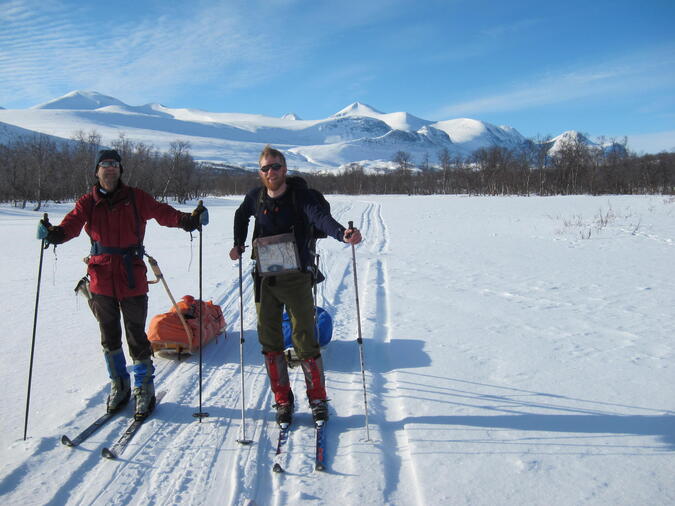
(136, 216)
(258, 207)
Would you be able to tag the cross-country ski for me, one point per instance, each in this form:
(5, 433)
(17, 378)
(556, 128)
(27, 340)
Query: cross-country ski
(88, 431)
(120, 445)
(281, 447)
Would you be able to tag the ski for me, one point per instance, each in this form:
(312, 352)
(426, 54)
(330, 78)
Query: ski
(320, 457)
(97, 424)
(116, 449)
(284, 431)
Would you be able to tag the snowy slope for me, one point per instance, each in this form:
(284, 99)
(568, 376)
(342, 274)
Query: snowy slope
(9, 133)
(509, 360)
(80, 100)
(472, 134)
(356, 133)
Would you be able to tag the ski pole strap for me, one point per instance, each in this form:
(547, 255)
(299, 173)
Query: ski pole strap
(128, 254)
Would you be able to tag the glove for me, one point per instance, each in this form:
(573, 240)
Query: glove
(202, 212)
(195, 220)
(189, 222)
(50, 234)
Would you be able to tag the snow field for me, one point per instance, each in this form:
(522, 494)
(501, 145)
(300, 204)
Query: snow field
(510, 357)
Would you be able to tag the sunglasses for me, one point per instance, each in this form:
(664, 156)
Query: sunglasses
(109, 163)
(273, 166)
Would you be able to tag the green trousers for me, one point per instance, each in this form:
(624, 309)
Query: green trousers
(294, 291)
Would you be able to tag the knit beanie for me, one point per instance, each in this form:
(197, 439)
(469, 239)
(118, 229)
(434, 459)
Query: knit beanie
(108, 154)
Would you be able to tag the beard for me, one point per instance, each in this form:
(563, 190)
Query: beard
(272, 185)
(110, 182)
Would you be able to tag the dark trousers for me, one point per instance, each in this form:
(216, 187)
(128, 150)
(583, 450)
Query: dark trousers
(134, 312)
(294, 291)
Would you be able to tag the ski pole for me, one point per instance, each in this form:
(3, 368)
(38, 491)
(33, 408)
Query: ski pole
(360, 338)
(200, 414)
(243, 439)
(43, 246)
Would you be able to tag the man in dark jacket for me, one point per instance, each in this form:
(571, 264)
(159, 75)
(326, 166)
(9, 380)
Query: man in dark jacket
(114, 216)
(285, 279)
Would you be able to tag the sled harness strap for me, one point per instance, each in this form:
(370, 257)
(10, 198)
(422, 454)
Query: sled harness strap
(128, 254)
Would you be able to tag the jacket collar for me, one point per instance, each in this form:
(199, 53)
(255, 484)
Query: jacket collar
(121, 193)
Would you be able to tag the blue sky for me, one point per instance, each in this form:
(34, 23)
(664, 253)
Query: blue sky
(600, 67)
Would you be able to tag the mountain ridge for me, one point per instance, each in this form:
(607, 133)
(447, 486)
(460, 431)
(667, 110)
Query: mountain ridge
(357, 133)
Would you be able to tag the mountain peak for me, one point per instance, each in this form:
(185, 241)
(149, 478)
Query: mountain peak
(80, 100)
(357, 109)
(292, 116)
(571, 135)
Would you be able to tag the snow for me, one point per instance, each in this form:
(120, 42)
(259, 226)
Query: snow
(357, 133)
(517, 351)
(80, 100)
(473, 134)
(357, 109)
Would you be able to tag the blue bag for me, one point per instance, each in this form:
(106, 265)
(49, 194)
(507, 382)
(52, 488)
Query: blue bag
(323, 330)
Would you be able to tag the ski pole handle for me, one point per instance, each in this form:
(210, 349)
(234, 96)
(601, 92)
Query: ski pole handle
(45, 244)
(350, 227)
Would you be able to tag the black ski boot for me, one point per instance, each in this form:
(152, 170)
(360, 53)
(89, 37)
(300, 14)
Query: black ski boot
(285, 410)
(144, 392)
(120, 383)
(319, 411)
(315, 380)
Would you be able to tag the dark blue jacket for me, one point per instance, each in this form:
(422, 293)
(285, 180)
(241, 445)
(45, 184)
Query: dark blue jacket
(280, 216)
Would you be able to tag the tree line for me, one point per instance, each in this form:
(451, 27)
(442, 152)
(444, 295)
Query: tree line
(37, 169)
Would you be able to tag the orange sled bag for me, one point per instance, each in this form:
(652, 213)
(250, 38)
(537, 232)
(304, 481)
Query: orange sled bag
(171, 331)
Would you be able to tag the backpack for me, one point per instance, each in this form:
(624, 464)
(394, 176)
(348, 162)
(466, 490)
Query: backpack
(323, 327)
(311, 233)
(299, 183)
(296, 182)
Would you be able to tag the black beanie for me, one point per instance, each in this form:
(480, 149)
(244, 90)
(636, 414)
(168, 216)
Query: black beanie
(108, 154)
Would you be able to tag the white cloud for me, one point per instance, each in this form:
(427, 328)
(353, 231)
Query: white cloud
(44, 49)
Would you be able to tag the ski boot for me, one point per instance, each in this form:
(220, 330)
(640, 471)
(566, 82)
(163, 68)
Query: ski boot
(319, 411)
(277, 371)
(120, 381)
(144, 389)
(316, 388)
(285, 410)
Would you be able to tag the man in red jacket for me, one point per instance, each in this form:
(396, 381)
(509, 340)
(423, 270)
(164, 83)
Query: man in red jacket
(114, 216)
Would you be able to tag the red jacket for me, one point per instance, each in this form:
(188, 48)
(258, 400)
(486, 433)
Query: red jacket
(112, 222)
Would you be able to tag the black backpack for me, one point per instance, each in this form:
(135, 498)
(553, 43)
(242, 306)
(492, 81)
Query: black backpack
(297, 182)
(311, 233)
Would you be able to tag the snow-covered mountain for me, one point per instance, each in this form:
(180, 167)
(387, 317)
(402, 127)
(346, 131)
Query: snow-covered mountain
(572, 136)
(8, 133)
(357, 133)
(82, 100)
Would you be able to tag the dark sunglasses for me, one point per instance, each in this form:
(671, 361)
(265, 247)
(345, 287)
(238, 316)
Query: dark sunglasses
(273, 166)
(109, 163)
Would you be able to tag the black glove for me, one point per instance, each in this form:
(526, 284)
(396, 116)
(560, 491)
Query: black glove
(189, 222)
(195, 220)
(49, 233)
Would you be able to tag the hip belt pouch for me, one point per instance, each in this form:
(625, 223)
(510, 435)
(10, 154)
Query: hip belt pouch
(276, 254)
